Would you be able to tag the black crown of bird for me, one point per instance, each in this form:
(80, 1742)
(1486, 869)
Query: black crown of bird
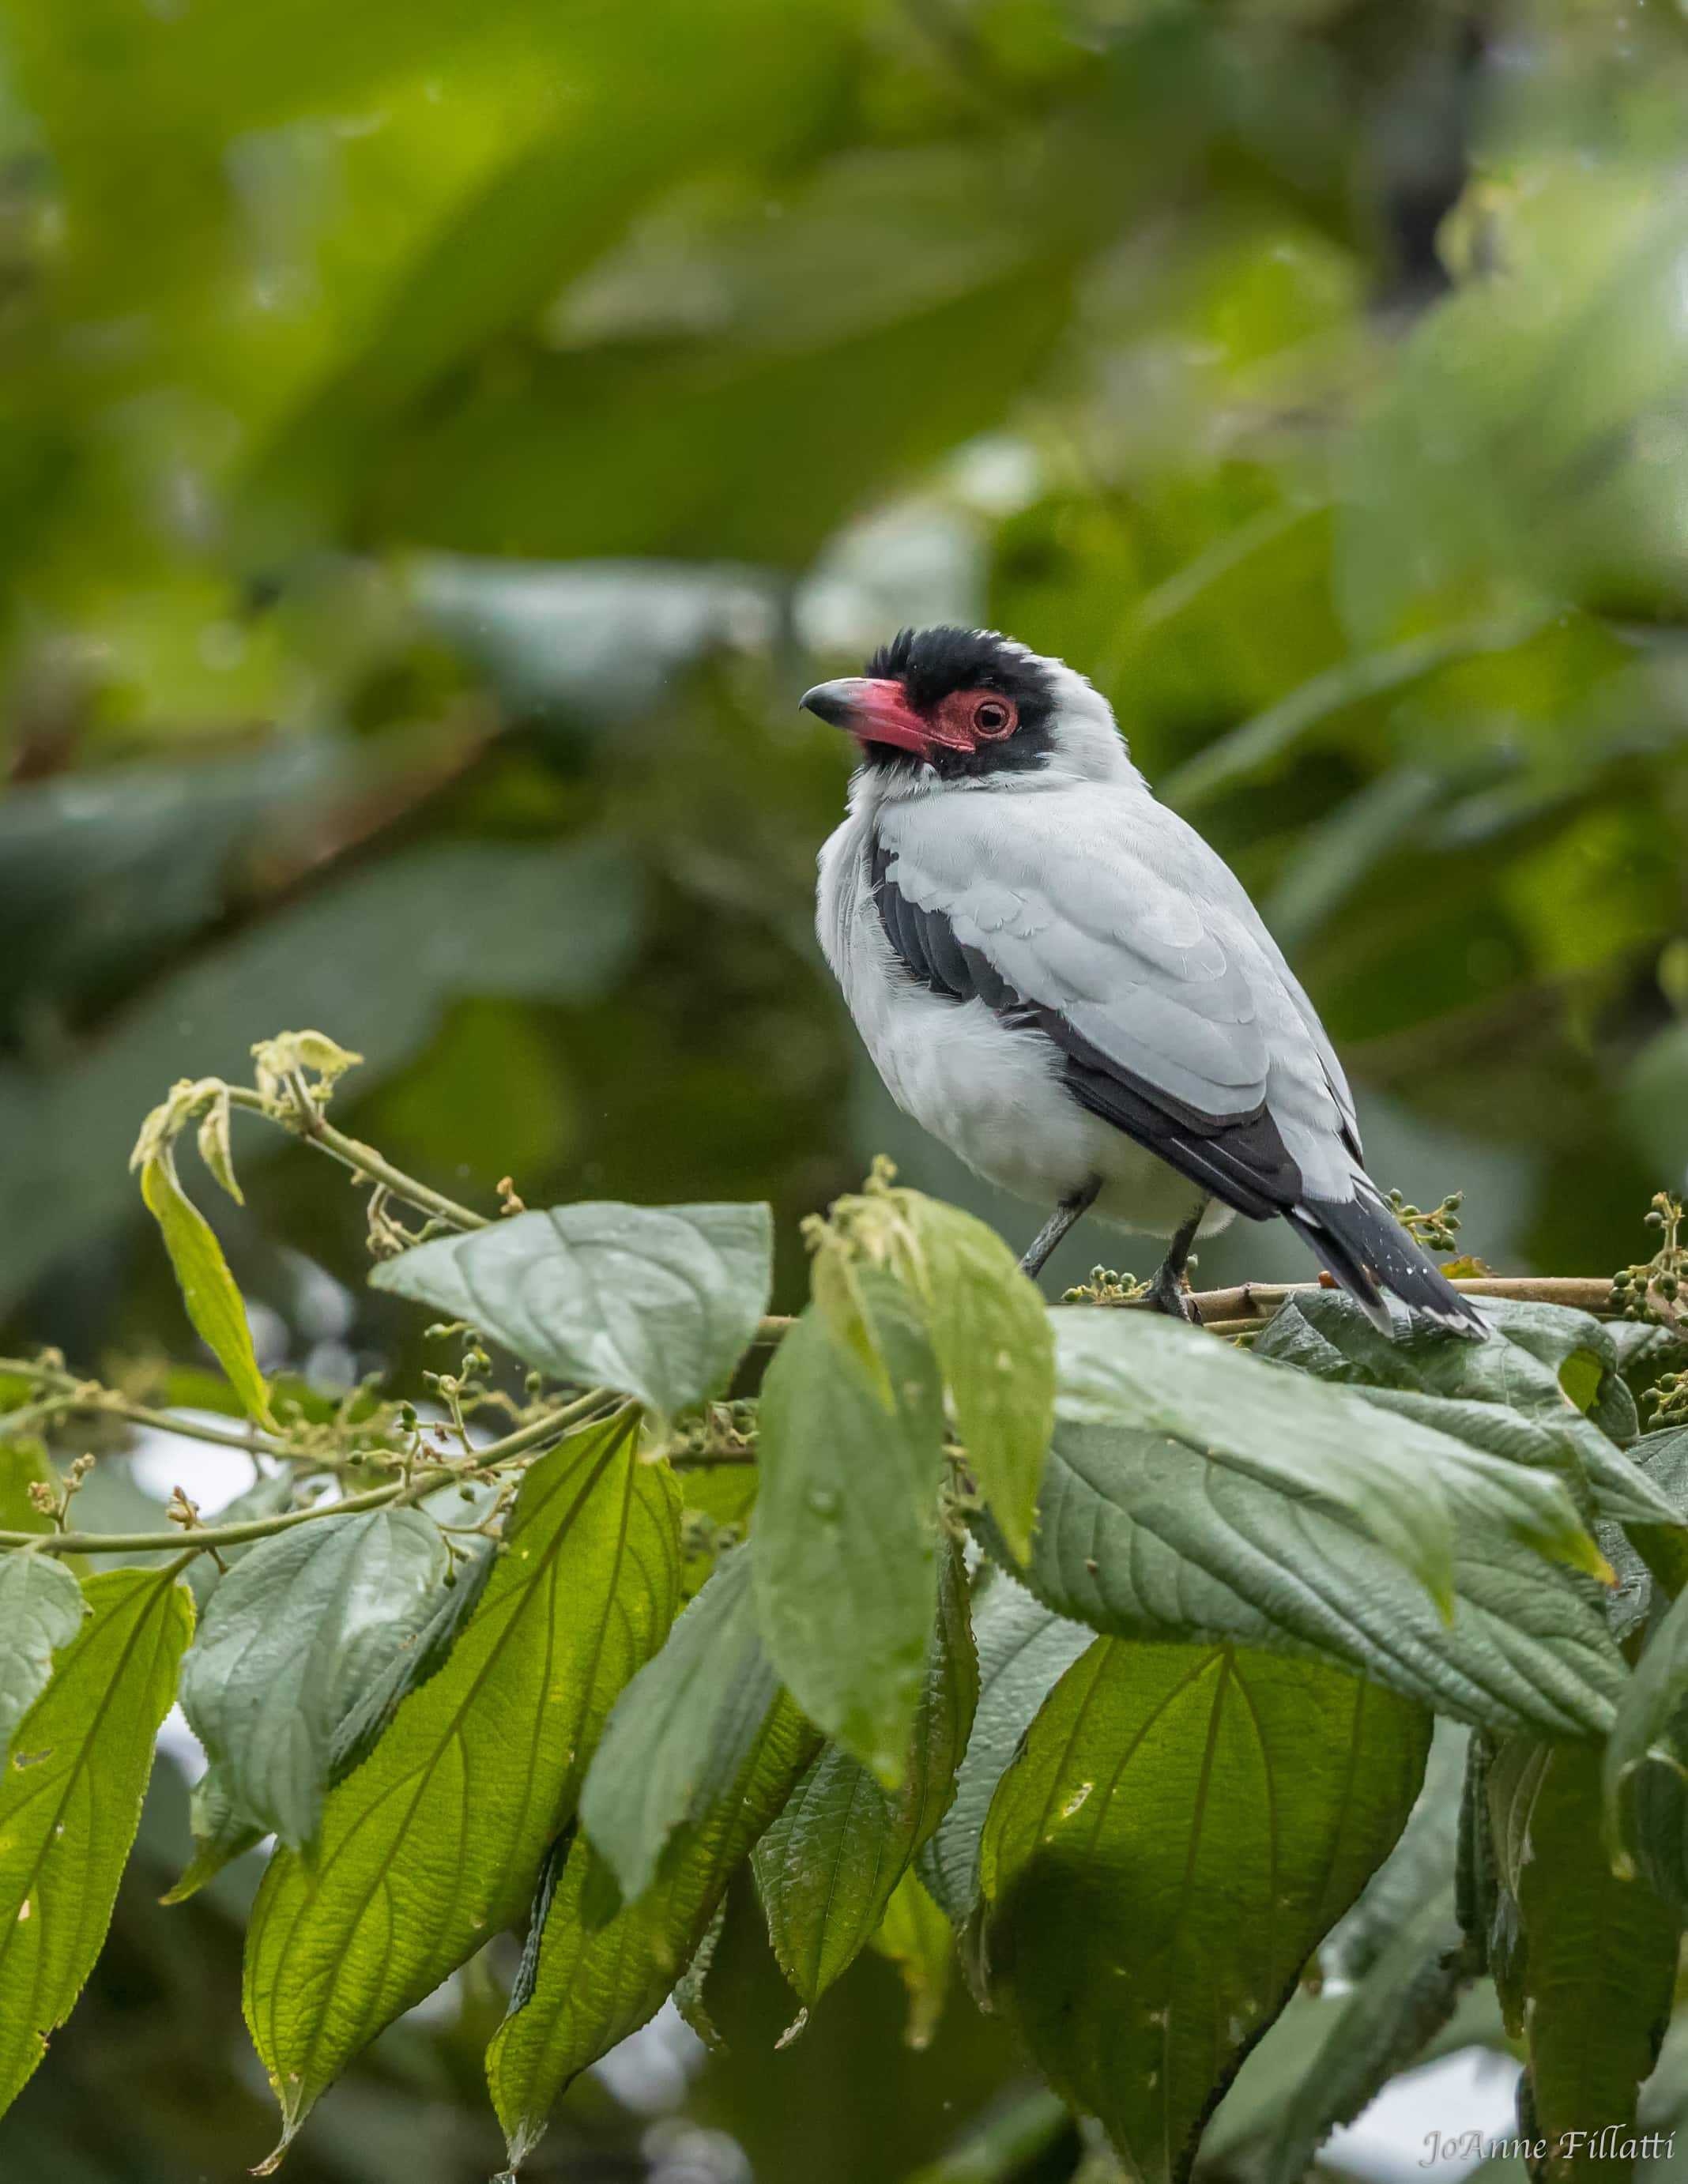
(1060, 980)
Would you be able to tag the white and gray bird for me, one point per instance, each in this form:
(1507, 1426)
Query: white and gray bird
(1062, 983)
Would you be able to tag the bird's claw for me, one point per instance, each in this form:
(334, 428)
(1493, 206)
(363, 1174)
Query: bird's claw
(1168, 1293)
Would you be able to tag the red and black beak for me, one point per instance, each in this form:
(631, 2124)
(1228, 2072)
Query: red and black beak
(878, 712)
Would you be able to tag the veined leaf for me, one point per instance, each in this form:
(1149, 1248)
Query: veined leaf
(1304, 1437)
(681, 1730)
(658, 1302)
(41, 1608)
(1405, 1998)
(582, 1987)
(1661, 1550)
(827, 1867)
(1141, 1534)
(1597, 1966)
(293, 1637)
(207, 1287)
(433, 1843)
(1024, 1649)
(70, 1801)
(1523, 1394)
(1645, 1775)
(1423, 1865)
(918, 1938)
(1183, 1825)
(845, 1571)
(990, 1332)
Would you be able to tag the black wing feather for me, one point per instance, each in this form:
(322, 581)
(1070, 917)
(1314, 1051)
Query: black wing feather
(1239, 1158)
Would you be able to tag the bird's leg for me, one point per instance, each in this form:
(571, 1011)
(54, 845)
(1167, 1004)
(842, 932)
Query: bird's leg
(1069, 1211)
(1166, 1290)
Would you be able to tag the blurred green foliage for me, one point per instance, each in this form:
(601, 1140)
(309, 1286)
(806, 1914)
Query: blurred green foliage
(438, 445)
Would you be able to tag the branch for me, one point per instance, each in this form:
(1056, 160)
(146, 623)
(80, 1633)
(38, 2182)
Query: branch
(1252, 1304)
(551, 1426)
(74, 1394)
(363, 1160)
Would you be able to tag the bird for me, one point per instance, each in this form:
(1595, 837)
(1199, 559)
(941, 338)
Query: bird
(1058, 979)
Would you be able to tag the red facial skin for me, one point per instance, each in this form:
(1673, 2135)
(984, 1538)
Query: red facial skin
(882, 714)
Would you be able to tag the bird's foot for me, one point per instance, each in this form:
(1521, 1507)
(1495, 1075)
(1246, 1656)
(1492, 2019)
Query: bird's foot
(1169, 1292)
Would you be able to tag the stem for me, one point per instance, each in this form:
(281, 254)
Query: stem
(77, 1395)
(361, 1159)
(553, 1424)
(218, 1535)
(1251, 1304)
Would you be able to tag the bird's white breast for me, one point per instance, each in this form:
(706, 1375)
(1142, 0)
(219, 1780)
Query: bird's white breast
(993, 1094)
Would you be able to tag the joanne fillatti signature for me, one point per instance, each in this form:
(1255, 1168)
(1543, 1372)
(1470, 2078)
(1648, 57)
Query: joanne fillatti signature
(1612, 2144)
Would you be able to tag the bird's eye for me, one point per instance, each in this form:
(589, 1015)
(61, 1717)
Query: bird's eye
(992, 716)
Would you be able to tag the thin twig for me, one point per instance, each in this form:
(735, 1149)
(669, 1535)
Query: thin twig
(77, 1395)
(1249, 1303)
(551, 1426)
(363, 1160)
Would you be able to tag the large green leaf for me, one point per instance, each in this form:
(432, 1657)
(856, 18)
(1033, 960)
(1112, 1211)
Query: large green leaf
(1304, 1437)
(1141, 1534)
(845, 1525)
(1024, 1649)
(433, 1843)
(1525, 1394)
(682, 1728)
(293, 1638)
(1596, 1968)
(70, 1801)
(990, 1334)
(1184, 1825)
(213, 1304)
(829, 1864)
(42, 1607)
(1645, 1772)
(585, 1986)
(658, 1302)
(1424, 1864)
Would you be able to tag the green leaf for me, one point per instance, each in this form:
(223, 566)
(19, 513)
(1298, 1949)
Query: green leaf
(432, 1844)
(1422, 1865)
(1304, 1437)
(918, 1938)
(213, 1304)
(1598, 1964)
(828, 1866)
(1512, 1395)
(691, 1998)
(845, 1571)
(681, 1730)
(1661, 1550)
(1143, 1534)
(1405, 1998)
(1184, 1825)
(41, 1608)
(1024, 1649)
(293, 1638)
(583, 1986)
(1644, 1772)
(71, 1802)
(990, 1332)
(657, 1302)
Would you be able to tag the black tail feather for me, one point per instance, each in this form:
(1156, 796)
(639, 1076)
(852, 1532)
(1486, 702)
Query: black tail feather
(1362, 1244)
